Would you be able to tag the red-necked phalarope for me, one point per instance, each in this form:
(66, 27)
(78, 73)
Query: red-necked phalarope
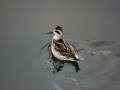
(60, 48)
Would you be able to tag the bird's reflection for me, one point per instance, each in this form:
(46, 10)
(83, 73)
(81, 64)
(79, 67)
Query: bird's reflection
(58, 64)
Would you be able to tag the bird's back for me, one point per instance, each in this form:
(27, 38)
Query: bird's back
(65, 49)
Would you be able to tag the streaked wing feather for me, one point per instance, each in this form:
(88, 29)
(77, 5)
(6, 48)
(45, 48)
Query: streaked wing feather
(65, 48)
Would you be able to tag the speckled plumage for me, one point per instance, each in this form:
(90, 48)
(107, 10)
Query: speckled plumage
(62, 49)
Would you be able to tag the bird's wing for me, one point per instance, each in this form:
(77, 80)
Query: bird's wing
(65, 48)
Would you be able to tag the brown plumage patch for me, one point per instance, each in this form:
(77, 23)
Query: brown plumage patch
(64, 48)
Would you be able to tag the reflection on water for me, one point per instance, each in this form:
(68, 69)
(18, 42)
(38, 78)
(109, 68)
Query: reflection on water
(95, 71)
(56, 65)
(101, 43)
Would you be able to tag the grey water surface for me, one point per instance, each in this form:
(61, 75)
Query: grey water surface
(93, 24)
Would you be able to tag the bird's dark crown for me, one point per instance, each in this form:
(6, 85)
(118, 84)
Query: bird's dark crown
(59, 28)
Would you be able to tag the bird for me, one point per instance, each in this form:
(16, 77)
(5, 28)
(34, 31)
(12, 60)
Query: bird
(60, 48)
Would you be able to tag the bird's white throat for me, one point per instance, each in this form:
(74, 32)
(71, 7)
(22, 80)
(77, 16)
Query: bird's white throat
(57, 37)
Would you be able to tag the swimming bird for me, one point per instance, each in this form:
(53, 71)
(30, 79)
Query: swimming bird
(62, 49)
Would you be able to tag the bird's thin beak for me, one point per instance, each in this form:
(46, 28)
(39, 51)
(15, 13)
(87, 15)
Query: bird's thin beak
(49, 33)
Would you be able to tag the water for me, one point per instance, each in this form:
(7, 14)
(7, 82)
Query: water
(99, 66)
(22, 34)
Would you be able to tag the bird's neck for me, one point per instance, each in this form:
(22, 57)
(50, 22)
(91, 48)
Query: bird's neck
(57, 37)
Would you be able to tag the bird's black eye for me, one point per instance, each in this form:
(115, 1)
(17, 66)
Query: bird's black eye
(57, 32)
